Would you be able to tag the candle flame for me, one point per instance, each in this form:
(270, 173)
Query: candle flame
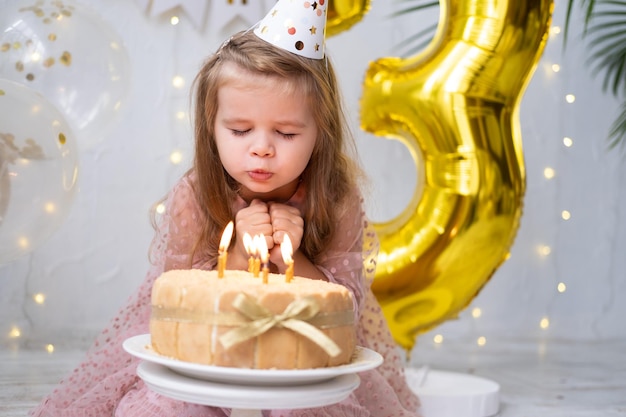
(248, 244)
(261, 246)
(286, 249)
(227, 236)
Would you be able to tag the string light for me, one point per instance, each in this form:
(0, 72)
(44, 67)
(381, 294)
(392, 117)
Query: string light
(438, 339)
(570, 98)
(23, 243)
(39, 298)
(548, 173)
(160, 208)
(566, 215)
(50, 348)
(481, 341)
(556, 67)
(15, 332)
(50, 207)
(544, 323)
(476, 312)
(181, 115)
(568, 141)
(174, 20)
(176, 157)
(178, 82)
(544, 250)
(561, 287)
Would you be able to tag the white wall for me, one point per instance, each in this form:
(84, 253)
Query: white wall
(97, 257)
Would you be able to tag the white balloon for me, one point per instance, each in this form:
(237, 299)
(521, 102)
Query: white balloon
(70, 55)
(38, 169)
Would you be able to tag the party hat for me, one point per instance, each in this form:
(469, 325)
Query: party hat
(297, 26)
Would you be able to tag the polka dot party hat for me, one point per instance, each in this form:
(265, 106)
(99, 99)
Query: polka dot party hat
(297, 26)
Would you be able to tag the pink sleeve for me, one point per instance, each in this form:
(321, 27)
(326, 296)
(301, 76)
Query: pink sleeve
(107, 372)
(351, 257)
(177, 228)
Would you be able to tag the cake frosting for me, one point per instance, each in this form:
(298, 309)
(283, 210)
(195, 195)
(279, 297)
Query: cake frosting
(240, 321)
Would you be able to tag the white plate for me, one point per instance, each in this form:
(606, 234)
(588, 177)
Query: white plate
(363, 360)
(166, 382)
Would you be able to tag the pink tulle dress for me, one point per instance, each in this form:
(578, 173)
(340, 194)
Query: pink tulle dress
(105, 383)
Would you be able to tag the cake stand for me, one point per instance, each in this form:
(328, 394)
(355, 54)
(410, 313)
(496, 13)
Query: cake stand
(248, 391)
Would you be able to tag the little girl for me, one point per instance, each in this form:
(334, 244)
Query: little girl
(271, 152)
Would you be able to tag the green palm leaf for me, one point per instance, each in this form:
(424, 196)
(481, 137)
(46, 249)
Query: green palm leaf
(605, 30)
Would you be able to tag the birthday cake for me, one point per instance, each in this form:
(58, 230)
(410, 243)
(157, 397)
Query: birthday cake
(241, 321)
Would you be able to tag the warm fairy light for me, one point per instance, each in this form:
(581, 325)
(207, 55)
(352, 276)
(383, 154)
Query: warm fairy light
(50, 348)
(50, 207)
(566, 215)
(160, 208)
(476, 312)
(556, 67)
(544, 323)
(481, 341)
(35, 56)
(23, 242)
(561, 287)
(181, 115)
(544, 250)
(438, 339)
(176, 157)
(570, 98)
(286, 249)
(178, 81)
(174, 20)
(555, 30)
(548, 173)
(568, 141)
(39, 298)
(15, 332)
(223, 252)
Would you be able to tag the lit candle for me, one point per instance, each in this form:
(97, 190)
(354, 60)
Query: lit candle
(265, 255)
(256, 268)
(223, 249)
(286, 249)
(248, 244)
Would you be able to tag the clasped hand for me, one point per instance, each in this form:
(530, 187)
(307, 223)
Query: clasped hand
(272, 220)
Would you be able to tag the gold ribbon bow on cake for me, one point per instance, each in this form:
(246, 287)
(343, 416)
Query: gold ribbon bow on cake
(294, 317)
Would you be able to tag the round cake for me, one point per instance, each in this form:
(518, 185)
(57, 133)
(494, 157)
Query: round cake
(241, 321)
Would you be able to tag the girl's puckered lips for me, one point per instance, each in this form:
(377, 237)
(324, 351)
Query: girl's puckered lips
(260, 175)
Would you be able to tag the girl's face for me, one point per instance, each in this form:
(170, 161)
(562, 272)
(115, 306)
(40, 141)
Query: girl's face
(265, 134)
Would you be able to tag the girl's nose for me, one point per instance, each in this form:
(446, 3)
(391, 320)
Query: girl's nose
(262, 146)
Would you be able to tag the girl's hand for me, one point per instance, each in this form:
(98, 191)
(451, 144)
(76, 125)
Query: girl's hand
(254, 220)
(285, 220)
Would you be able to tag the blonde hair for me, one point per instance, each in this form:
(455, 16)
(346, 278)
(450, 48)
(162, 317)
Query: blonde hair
(329, 178)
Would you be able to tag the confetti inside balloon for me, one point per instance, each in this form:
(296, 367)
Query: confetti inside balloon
(69, 54)
(38, 170)
(456, 105)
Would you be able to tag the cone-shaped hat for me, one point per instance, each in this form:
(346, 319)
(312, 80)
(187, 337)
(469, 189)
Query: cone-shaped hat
(298, 26)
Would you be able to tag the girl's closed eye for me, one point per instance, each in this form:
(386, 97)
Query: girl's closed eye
(237, 132)
(286, 135)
